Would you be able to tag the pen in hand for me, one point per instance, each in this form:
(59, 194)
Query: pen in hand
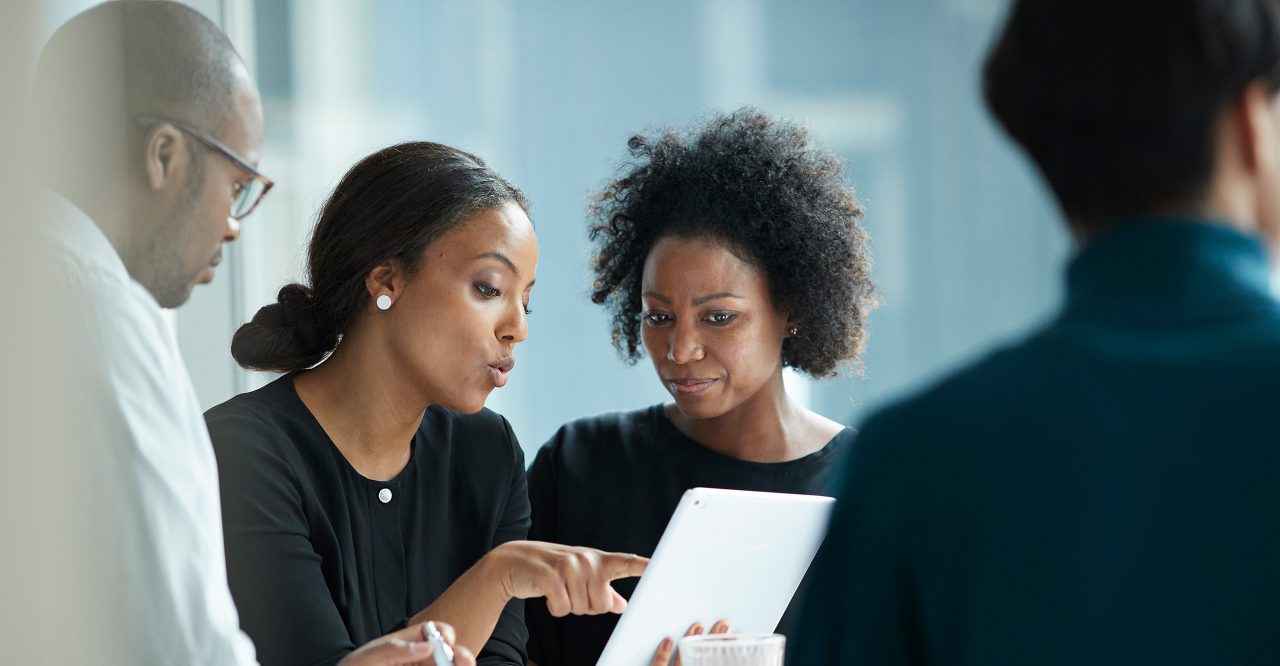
(442, 653)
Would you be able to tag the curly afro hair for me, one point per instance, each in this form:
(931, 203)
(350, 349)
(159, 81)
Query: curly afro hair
(759, 186)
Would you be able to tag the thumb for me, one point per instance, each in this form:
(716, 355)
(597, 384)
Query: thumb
(617, 604)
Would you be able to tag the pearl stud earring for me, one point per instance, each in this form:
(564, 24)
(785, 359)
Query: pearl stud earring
(384, 302)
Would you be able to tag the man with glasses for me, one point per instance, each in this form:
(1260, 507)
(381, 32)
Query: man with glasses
(146, 129)
(247, 193)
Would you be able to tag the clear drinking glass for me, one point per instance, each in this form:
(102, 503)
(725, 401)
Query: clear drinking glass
(732, 650)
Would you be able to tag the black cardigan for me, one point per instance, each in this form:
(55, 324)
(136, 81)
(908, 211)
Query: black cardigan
(321, 559)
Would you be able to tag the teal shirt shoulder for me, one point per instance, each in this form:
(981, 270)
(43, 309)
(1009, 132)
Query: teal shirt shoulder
(1101, 492)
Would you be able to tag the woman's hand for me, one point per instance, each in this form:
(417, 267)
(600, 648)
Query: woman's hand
(408, 647)
(574, 580)
(668, 645)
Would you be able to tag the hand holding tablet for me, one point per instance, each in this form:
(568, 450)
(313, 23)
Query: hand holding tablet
(662, 657)
(729, 554)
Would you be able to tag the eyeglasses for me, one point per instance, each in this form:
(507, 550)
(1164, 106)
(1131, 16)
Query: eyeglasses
(247, 193)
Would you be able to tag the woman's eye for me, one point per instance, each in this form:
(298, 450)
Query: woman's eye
(486, 291)
(656, 318)
(721, 318)
(527, 310)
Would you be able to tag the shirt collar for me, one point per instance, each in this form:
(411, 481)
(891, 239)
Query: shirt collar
(1162, 267)
(76, 236)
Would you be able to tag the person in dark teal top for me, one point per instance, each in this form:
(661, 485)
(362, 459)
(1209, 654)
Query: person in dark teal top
(1105, 490)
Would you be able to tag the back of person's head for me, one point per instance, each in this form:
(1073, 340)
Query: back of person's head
(389, 206)
(123, 58)
(1118, 101)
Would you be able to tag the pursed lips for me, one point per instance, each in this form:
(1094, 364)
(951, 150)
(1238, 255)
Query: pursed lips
(498, 370)
(504, 365)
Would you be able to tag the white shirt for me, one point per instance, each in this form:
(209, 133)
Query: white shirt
(122, 547)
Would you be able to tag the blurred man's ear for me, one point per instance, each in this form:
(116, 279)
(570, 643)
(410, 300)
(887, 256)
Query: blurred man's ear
(165, 156)
(1257, 120)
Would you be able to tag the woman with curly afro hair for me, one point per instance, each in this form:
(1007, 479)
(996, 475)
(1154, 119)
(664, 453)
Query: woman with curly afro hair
(725, 254)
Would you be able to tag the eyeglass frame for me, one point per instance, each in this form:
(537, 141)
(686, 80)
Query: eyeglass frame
(145, 119)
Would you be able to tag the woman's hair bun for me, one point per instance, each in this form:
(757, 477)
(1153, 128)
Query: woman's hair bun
(290, 334)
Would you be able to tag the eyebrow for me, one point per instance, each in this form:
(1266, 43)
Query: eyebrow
(500, 257)
(711, 297)
(503, 258)
(697, 301)
(657, 297)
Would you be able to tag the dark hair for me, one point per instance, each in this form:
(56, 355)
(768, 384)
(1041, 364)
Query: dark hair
(757, 185)
(1117, 101)
(390, 205)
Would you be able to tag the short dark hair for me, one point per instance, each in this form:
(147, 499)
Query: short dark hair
(759, 186)
(390, 205)
(126, 57)
(1118, 101)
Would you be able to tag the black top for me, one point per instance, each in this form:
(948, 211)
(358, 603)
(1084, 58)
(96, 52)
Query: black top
(1104, 492)
(321, 559)
(612, 482)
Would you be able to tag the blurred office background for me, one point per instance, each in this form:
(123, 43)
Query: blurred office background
(968, 247)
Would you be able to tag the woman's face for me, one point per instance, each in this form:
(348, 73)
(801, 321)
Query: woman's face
(710, 325)
(461, 314)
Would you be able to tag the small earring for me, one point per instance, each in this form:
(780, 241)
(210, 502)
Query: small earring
(384, 302)
(795, 330)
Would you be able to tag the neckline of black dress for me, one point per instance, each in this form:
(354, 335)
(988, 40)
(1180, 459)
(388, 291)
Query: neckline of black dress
(290, 393)
(667, 431)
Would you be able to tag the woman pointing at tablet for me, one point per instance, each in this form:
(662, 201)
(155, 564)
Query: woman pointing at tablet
(726, 254)
(368, 489)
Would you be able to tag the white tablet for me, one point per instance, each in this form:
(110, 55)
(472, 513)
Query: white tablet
(728, 554)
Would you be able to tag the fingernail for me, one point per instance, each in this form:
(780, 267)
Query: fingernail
(667, 644)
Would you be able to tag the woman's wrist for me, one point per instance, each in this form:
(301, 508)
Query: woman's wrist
(493, 570)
